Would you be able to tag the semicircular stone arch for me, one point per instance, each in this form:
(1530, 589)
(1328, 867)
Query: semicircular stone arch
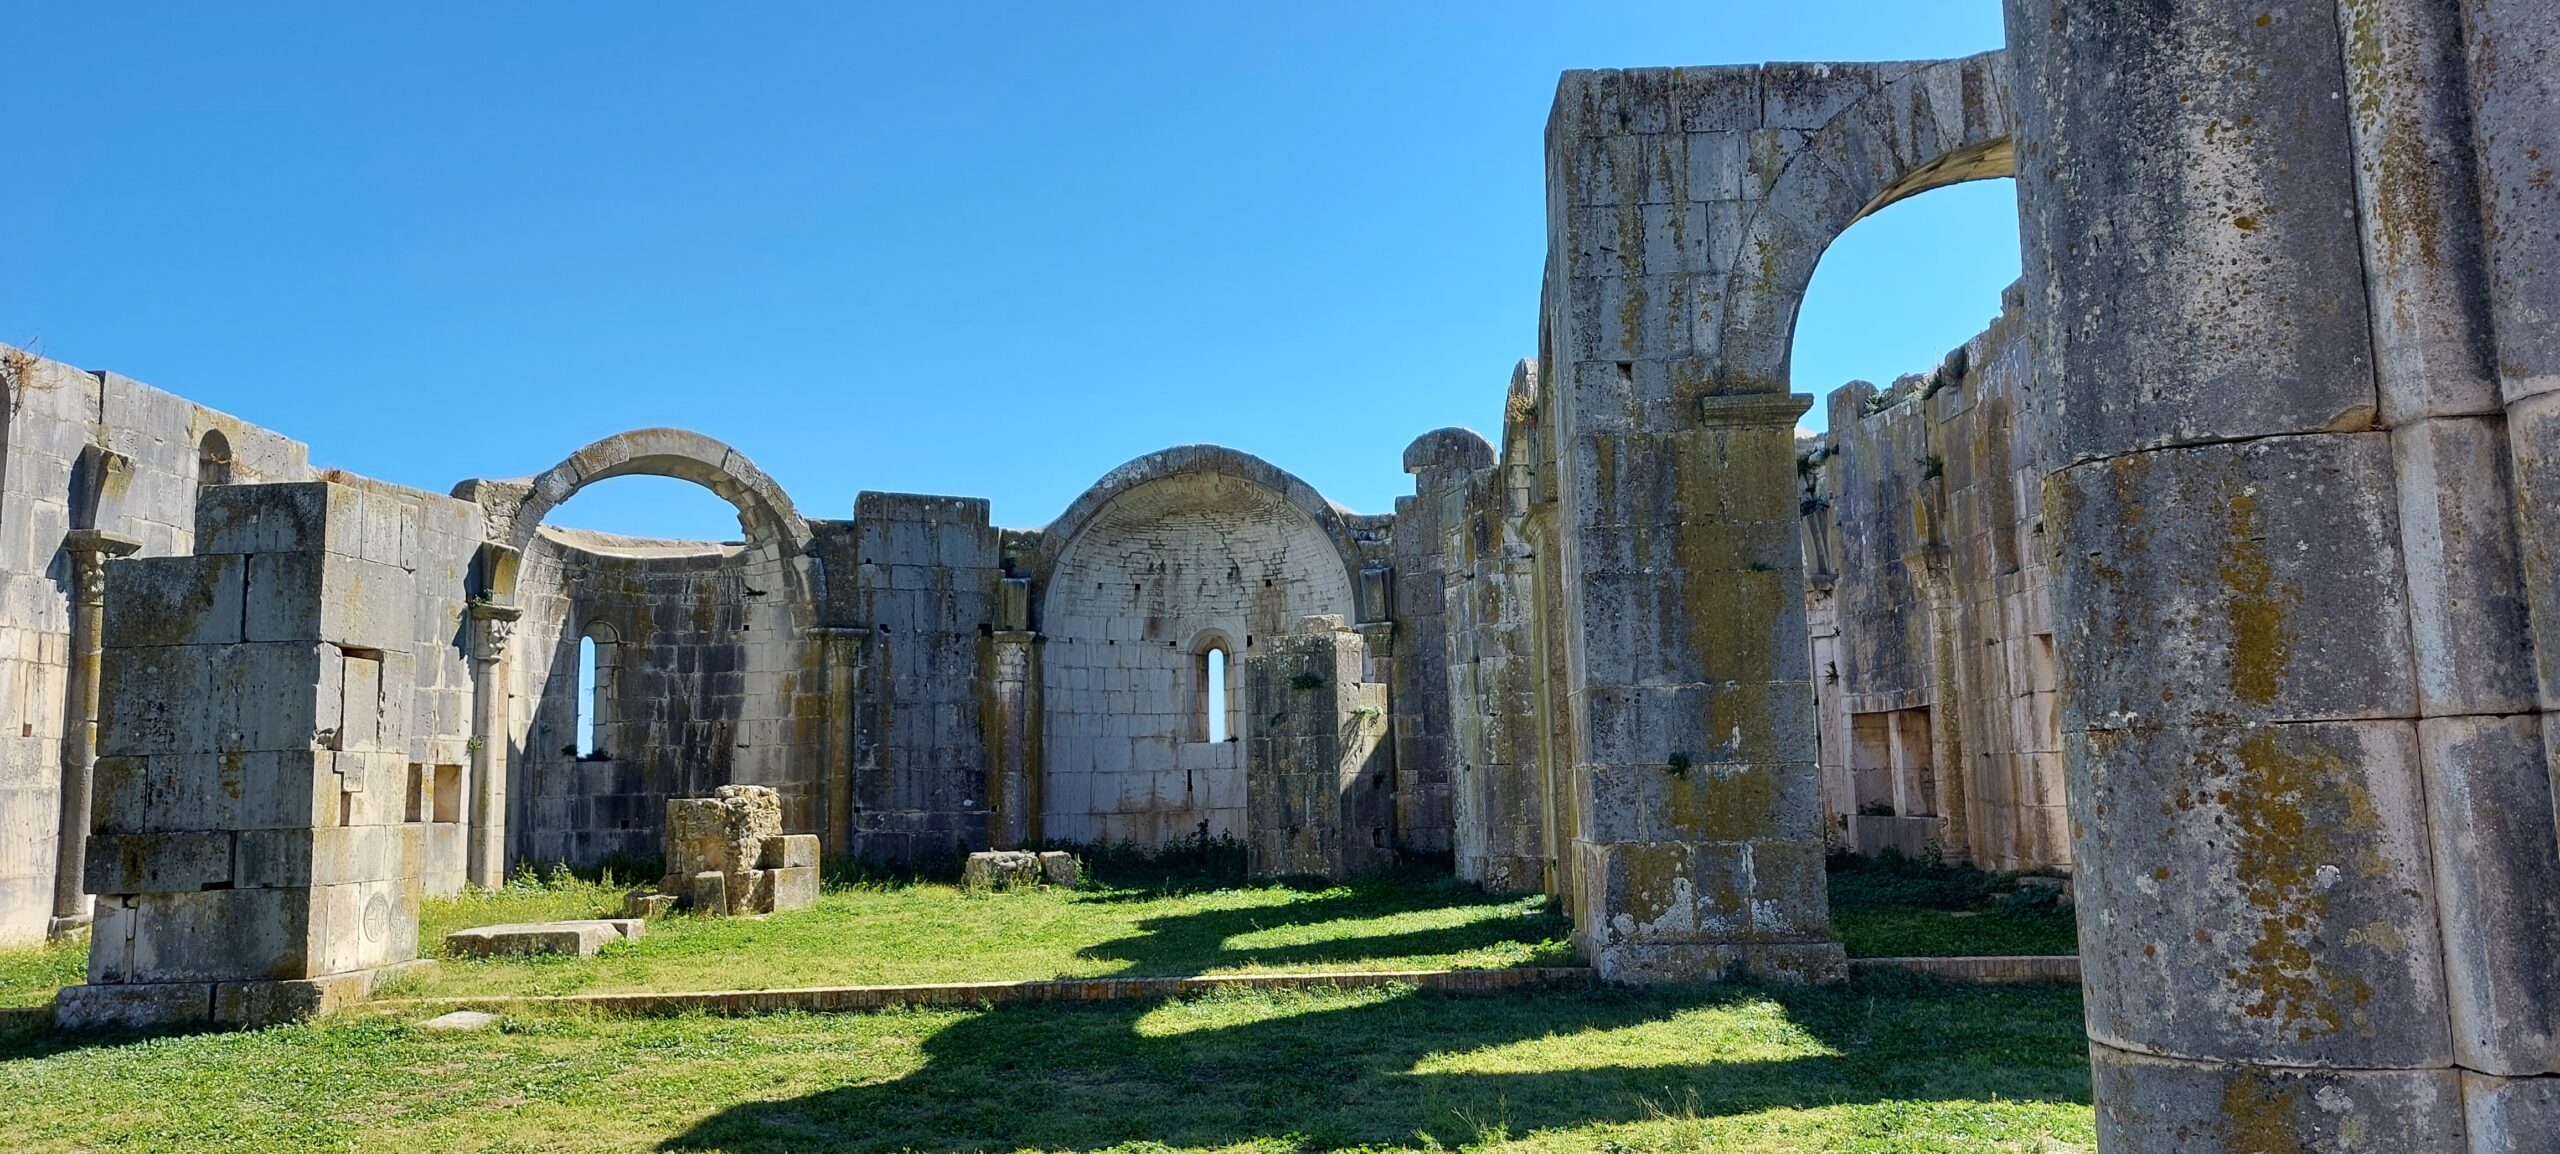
(1172, 548)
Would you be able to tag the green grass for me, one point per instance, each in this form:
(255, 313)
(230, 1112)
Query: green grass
(1877, 1066)
(30, 975)
(906, 933)
(1893, 907)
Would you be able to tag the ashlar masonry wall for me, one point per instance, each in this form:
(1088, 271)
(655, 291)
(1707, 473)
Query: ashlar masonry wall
(96, 451)
(1930, 615)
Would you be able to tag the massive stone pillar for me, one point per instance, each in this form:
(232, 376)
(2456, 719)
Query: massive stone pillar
(1317, 778)
(844, 689)
(492, 729)
(254, 855)
(2310, 792)
(89, 550)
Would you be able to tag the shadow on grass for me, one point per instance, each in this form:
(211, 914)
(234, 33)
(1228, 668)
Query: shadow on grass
(1314, 1073)
(1191, 943)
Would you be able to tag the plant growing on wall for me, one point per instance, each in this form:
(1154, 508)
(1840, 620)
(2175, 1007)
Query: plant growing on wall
(1307, 682)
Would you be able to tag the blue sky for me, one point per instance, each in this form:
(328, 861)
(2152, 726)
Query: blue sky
(990, 250)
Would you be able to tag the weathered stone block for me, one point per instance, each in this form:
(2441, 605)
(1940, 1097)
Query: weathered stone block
(1001, 870)
(2258, 892)
(579, 938)
(707, 894)
(204, 936)
(725, 832)
(253, 1004)
(644, 904)
(2469, 622)
(1058, 868)
(2147, 1103)
(789, 888)
(133, 1007)
(788, 851)
(173, 601)
(2510, 1115)
(2259, 580)
(158, 862)
(2497, 885)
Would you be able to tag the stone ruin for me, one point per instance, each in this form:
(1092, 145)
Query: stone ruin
(2214, 573)
(727, 854)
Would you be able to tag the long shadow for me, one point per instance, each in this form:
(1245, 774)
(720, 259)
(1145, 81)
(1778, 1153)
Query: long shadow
(1086, 1077)
(1189, 943)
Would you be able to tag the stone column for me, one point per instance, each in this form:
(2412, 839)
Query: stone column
(844, 671)
(1009, 716)
(492, 728)
(89, 550)
(2232, 560)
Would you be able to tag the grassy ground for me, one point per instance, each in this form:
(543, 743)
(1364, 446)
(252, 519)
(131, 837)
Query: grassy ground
(902, 933)
(1898, 1066)
(30, 975)
(1893, 907)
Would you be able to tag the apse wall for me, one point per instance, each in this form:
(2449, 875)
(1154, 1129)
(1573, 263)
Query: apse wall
(1166, 570)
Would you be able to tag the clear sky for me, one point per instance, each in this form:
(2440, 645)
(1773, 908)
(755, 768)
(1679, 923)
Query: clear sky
(987, 250)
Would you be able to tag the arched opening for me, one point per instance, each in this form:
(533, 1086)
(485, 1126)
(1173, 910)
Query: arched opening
(213, 459)
(649, 507)
(1923, 544)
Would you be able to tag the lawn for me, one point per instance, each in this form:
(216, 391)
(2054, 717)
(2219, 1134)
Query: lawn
(1875, 1066)
(900, 933)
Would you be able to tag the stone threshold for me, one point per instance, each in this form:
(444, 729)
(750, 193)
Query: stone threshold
(1999, 970)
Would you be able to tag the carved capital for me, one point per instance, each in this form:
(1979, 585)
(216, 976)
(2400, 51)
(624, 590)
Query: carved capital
(491, 625)
(89, 549)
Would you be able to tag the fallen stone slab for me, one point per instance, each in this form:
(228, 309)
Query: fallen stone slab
(581, 938)
(1002, 869)
(460, 1020)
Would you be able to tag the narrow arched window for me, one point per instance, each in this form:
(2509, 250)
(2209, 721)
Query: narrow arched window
(1215, 700)
(587, 700)
(599, 658)
(213, 459)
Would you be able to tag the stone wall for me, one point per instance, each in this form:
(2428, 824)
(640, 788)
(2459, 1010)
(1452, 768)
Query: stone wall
(1931, 620)
(699, 683)
(84, 450)
(1317, 785)
(925, 579)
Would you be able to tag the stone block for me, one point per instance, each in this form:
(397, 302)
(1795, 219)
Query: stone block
(2497, 884)
(790, 888)
(173, 601)
(1058, 868)
(1001, 870)
(2510, 1115)
(725, 832)
(2260, 581)
(209, 935)
(255, 1004)
(2148, 1103)
(2469, 621)
(707, 894)
(643, 904)
(146, 863)
(788, 851)
(578, 938)
(2259, 892)
(138, 1006)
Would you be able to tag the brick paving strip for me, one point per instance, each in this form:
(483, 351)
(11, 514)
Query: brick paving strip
(830, 999)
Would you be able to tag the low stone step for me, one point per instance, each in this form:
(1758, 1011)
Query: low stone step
(582, 938)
